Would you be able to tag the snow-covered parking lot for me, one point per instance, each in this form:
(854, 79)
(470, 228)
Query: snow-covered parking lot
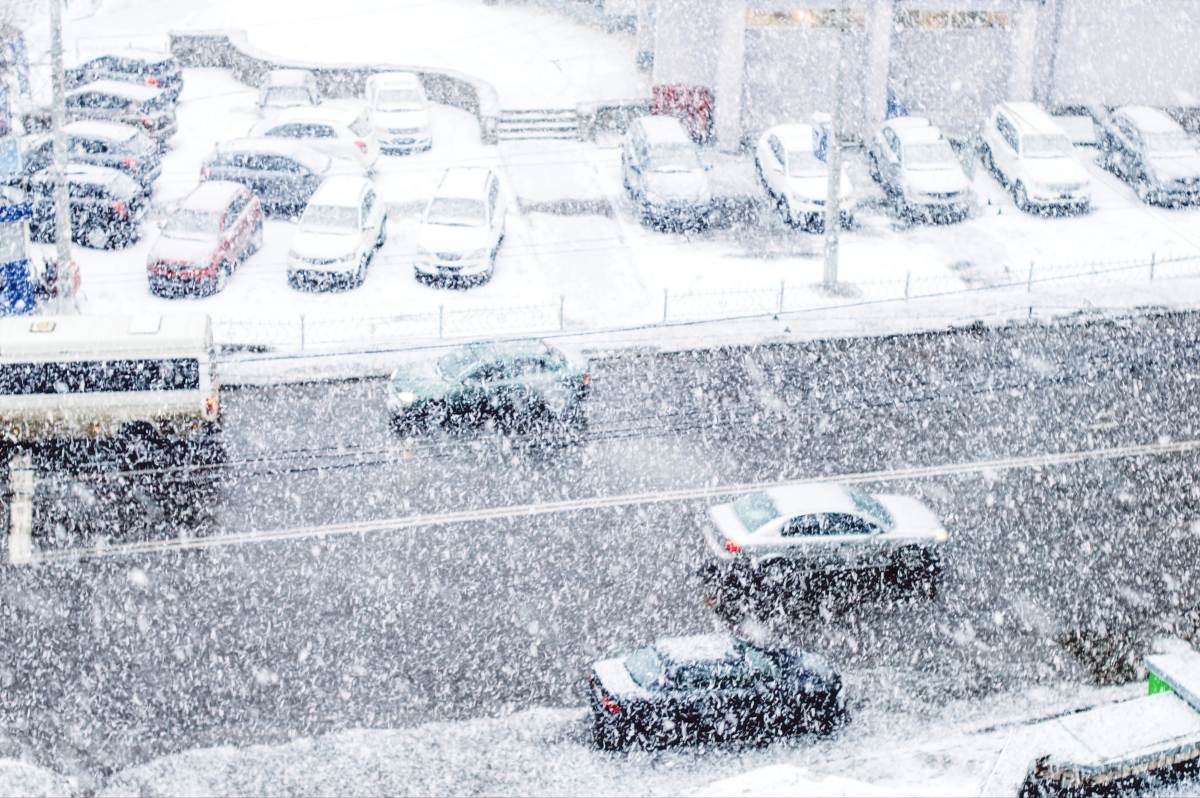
(577, 257)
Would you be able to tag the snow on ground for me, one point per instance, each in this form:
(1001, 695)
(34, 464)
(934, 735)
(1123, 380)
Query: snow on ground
(534, 57)
(24, 779)
(547, 752)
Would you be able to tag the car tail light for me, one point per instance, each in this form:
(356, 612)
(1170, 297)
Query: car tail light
(211, 406)
(120, 209)
(205, 172)
(362, 146)
(610, 705)
(152, 81)
(587, 379)
(732, 547)
(129, 163)
(147, 121)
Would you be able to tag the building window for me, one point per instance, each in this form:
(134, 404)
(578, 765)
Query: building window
(916, 19)
(802, 18)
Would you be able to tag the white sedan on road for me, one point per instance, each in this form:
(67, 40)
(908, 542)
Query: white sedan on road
(795, 177)
(917, 167)
(794, 535)
(341, 229)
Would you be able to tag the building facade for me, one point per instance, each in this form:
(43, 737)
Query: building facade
(764, 61)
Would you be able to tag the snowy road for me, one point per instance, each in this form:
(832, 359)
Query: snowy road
(264, 641)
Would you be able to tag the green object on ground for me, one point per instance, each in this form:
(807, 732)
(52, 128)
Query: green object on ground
(1156, 684)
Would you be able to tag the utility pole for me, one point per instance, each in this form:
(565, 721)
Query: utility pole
(62, 201)
(833, 204)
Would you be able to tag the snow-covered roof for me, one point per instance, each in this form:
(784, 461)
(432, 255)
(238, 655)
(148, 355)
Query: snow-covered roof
(665, 130)
(341, 190)
(320, 114)
(918, 135)
(289, 77)
(463, 181)
(313, 159)
(814, 497)
(697, 648)
(794, 137)
(87, 173)
(212, 195)
(1149, 120)
(131, 53)
(899, 123)
(395, 80)
(1032, 117)
(95, 128)
(48, 336)
(132, 91)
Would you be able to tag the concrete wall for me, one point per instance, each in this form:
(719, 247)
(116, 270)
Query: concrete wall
(230, 51)
(686, 38)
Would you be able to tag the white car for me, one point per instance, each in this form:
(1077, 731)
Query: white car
(795, 178)
(916, 166)
(339, 132)
(399, 112)
(801, 533)
(343, 226)
(1028, 152)
(287, 88)
(462, 227)
(664, 176)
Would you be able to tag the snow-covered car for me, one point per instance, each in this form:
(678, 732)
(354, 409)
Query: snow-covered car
(521, 386)
(156, 69)
(338, 131)
(399, 112)
(462, 227)
(915, 165)
(207, 236)
(112, 144)
(107, 206)
(143, 107)
(283, 173)
(1153, 153)
(342, 228)
(795, 179)
(1029, 153)
(801, 535)
(663, 174)
(287, 88)
(711, 687)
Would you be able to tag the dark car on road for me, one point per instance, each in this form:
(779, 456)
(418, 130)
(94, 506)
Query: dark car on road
(283, 173)
(521, 386)
(144, 107)
(1151, 152)
(211, 232)
(140, 67)
(106, 207)
(111, 144)
(711, 688)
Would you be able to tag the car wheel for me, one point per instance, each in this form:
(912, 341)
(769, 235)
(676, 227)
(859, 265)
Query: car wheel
(98, 238)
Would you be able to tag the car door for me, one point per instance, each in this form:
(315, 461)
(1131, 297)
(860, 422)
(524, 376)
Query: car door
(1129, 151)
(235, 229)
(472, 396)
(852, 543)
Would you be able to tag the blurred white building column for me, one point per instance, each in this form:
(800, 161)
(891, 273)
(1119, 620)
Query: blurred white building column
(880, 14)
(731, 74)
(1024, 44)
(645, 34)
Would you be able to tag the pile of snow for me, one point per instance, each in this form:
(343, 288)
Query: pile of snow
(24, 779)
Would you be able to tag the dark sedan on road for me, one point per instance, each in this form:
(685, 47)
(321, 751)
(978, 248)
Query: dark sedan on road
(521, 386)
(711, 687)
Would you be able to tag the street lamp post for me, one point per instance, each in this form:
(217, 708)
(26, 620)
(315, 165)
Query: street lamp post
(833, 204)
(62, 207)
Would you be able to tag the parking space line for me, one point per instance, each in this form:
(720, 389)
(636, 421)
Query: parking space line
(608, 502)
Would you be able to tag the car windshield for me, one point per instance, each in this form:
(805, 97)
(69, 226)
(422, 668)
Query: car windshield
(456, 212)
(337, 218)
(755, 510)
(1045, 145)
(802, 163)
(193, 224)
(286, 95)
(399, 100)
(455, 363)
(645, 667)
(869, 506)
(673, 158)
(1171, 142)
(929, 155)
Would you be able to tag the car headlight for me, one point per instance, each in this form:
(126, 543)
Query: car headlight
(406, 397)
(941, 536)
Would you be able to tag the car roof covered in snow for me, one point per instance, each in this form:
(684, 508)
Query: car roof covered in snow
(899, 123)
(80, 173)
(396, 80)
(95, 128)
(341, 190)
(795, 137)
(463, 181)
(131, 54)
(131, 91)
(313, 159)
(812, 497)
(321, 114)
(664, 130)
(917, 135)
(697, 648)
(289, 77)
(54, 336)
(1031, 116)
(1148, 119)
(212, 195)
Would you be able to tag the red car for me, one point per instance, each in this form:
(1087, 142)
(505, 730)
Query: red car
(212, 231)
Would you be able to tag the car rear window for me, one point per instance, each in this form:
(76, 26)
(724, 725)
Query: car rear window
(755, 509)
(870, 506)
(645, 667)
